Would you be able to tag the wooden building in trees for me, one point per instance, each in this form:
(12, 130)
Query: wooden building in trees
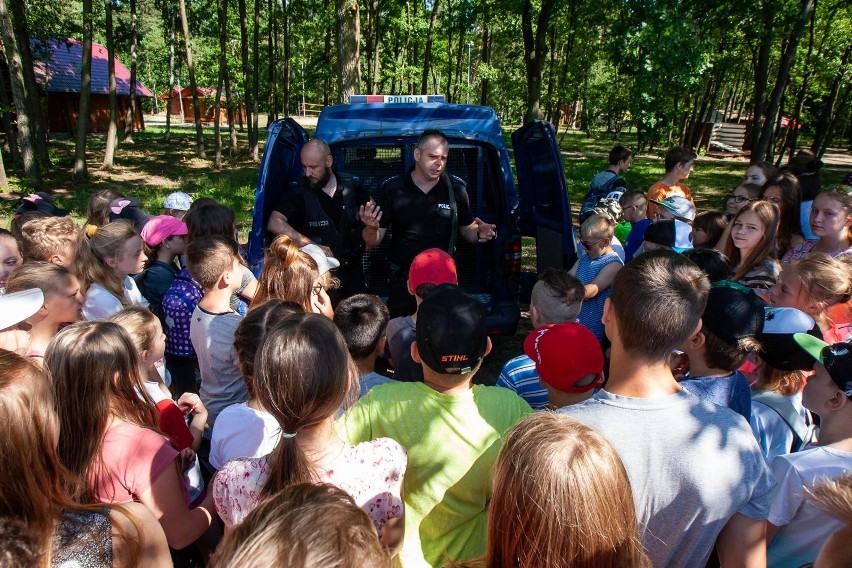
(57, 65)
(182, 102)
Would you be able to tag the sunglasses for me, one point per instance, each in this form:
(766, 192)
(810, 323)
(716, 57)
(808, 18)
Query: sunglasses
(740, 199)
(588, 246)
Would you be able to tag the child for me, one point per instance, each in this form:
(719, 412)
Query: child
(634, 207)
(50, 239)
(609, 182)
(568, 360)
(215, 263)
(820, 286)
(15, 307)
(63, 302)
(679, 163)
(302, 376)
(831, 223)
(298, 526)
(835, 498)
(797, 527)
(740, 197)
(108, 430)
(165, 237)
(551, 472)
(10, 257)
(556, 298)
(363, 321)
(177, 204)
(106, 262)
(145, 331)
(674, 207)
(751, 248)
(711, 261)
(707, 229)
(97, 212)
(710, 484)
(784, 191)
(667, 234)
(758, 172)
(732, 318)
(246, 429)
(596, 269)
(430, 268)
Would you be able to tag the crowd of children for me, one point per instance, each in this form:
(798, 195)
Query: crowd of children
(683, 398)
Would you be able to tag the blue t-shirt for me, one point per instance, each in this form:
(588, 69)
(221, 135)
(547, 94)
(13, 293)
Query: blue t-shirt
(520, 376)
(731, 391)
(635, 238)
(592, 310)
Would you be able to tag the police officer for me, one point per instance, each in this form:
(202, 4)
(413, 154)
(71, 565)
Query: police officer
(323, 208)
(427, 209)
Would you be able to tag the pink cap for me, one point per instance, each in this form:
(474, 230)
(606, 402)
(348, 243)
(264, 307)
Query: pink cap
(564, 353)
(432, 266)
(159, 228)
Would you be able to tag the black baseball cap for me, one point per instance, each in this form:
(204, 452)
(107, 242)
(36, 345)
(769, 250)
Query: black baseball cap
(778, 348)
(733, 312)
(451, 331)
(836, 358)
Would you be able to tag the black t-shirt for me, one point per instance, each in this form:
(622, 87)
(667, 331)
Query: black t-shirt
(292, 205)
(420, 220)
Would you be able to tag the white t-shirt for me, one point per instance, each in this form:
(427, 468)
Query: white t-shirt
(101, 303)
(804, 525)
(242, 432)
(773, 434)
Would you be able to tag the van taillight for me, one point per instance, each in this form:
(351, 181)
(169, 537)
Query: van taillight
(512, 257)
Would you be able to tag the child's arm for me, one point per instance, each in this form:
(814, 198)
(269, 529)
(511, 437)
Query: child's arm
(189, 403)
(603, 280)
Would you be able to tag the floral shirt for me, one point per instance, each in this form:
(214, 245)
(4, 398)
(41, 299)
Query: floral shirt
(179, 302)
(804, 248)
(370, 472)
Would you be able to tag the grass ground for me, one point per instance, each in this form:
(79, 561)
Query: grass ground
(152, 167)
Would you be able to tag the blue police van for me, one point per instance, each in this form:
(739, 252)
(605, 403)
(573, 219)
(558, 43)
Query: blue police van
(375, 141)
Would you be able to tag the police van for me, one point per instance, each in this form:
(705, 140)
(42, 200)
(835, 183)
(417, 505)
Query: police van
(373, 139)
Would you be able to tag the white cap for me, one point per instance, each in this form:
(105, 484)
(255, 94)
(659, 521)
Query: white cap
(324, 263)
(15, 307)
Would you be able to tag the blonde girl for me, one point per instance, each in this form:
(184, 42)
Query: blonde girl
(831, 222)
(820, 286)
(108, 430)
(36, 489)
(105, 263)
(751, 246)
(561, 499)
(288, 274)
(63, 302)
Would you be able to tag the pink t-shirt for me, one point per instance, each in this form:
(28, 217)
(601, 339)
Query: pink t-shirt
(371, 473)
(133, 459)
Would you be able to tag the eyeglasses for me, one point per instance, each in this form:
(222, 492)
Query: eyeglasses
(317, 289)
(588, 246)
(740, 199)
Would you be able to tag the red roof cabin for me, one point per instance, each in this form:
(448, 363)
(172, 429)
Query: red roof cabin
(182, 100)
(58, 63)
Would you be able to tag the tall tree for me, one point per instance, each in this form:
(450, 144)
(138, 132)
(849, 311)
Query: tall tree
(134, 46)
(427, 54)
(112, 129)
(535, 53)
(222, 11)
(171, 17)
(9, 122)
(348, 46)
(20, 96)
(80, 170)
(190, 67)
(253, 119)
(244, 55)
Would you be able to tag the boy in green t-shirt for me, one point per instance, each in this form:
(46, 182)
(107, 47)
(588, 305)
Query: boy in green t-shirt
(451, 428)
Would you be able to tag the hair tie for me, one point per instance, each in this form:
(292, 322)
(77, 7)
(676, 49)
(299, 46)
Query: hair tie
(289, 434)
(119, 206)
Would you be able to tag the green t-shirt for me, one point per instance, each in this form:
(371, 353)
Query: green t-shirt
(452, 444)
(622, 230)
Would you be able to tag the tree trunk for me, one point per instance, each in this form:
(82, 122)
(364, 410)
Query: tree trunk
(222, 13)
(272, 35)
(20, 96)
(244, 55)
(761, 75)
(348, 42)
(167, 134)
(190, 67)
(112, 129)
(80, 171)
(232, 128)
(844, 100)
(134, 48)
(821, 135)
(427, 54)
(784, 68)
(535, 51)
(485, 57)
(4, 181)
(19, 22)
(285, 71)
(253, 152)
(9, 122)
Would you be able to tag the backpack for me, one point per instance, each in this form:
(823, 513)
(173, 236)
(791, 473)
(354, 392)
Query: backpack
(803, 433)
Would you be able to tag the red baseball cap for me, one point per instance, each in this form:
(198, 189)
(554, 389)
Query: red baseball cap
(432, 266)
(564, 353)
(159, 228)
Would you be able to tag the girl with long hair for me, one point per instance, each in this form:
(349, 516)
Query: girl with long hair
(302, 375)
(63, 302)
(831, 222)
(751, 246)
(104, 265)
(288, 274)
(108, 430)
(783, 190)
(34, 485)
(562, 499)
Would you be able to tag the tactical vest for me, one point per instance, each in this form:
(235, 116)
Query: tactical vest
(343, 235)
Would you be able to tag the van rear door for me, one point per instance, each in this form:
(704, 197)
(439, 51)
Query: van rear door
(545, 208)
(280, 166)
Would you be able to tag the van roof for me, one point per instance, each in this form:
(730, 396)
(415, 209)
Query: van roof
(346, 122)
